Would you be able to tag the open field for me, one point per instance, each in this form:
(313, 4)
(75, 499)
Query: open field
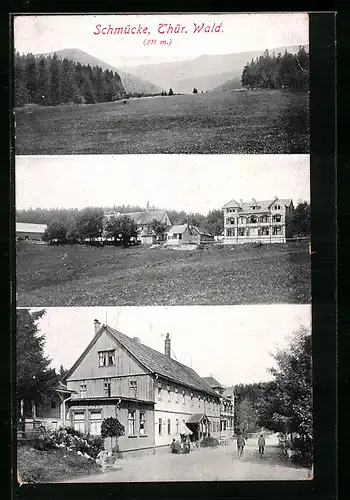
(249, 122)
(109, 276)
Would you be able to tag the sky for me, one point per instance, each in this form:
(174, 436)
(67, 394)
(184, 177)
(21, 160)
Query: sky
(194, 183)
(238, 33)
(234, 344)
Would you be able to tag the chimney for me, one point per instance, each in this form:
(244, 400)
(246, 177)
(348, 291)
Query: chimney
(97, 325)
(276, 198)
(137, 339)
(167, 345)
(241, 202)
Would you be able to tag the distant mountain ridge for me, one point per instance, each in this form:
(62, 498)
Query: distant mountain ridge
(206, 72)
(132, 84)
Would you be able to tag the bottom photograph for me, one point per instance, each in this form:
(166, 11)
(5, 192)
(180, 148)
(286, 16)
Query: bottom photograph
(113, 394)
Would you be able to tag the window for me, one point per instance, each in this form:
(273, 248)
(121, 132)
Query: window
(180, 236)
(142, 422)
(169, 426)
(177, 425)
(263, 219)
(107, 387)
(131, 423)
(240, 232)
(277, 218)
(230, 232)
(276, 230)
(191, 398)
(176, 395)
(95, 423)
(53, 405)
(183, 397)
(169, 394)
(83, 391)
(253, 220)
(199, 400)
(106, 358)
(264, 231)
(79, 421)
(133, 388)
(159, 391)
(160, 426)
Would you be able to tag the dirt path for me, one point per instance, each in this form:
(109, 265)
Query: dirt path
(220, 464)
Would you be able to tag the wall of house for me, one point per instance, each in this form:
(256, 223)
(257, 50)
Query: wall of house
(179, 406)
(89, 367)
(136, 440)
(29, 236)
(139, 386)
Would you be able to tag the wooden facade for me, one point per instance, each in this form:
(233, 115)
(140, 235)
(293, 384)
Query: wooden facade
(110, 380)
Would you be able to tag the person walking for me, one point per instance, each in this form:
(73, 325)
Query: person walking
(261, 445)
(240, 444)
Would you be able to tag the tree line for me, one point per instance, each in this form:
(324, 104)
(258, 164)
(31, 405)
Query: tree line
(50, 81)
(74, 225)
(290, 71)
(284, 404)
(36, 379)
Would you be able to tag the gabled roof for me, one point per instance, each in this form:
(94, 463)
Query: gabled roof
(212, 382)
(26, 227)
(263, 204)
(181, 228)
(152, 360)
(196, 418)
(146, 217)
(233, 203)
(161, 364)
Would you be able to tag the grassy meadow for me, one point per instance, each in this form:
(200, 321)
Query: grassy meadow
(216, 275)
(252, 122)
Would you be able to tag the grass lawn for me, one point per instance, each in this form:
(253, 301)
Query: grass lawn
(250, 122)
(109, 276)
(50, 466)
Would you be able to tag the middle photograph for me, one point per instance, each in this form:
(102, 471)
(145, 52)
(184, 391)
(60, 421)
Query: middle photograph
(163, 230)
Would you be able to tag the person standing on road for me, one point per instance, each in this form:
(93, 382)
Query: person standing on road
(240, 444)
(261, 445)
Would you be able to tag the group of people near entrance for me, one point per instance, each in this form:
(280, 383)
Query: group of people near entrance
(241, 445)
(180, 447)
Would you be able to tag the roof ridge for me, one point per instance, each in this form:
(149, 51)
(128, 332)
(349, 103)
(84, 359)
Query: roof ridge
(204, 386)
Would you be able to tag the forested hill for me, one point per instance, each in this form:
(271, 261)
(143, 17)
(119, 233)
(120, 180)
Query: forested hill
(271, 71)
(49, 81)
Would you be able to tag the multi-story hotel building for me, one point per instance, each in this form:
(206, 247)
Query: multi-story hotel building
(257, 221)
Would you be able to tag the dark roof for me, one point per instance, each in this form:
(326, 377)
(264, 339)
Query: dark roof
(212, 382)
(161, 364)
(196, 418)
(264, 204)
(147, 217)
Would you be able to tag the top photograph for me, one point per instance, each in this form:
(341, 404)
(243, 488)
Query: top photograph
(161, 84)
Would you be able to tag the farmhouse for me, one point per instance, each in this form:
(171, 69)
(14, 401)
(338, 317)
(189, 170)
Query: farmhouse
(155, 397)
(185, 233)
(257, 221)
(26, 231)
(143, 220)
(226, 407)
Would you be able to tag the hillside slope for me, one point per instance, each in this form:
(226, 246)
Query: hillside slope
(131, 83)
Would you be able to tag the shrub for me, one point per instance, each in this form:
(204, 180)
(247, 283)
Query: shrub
(72, 439)
(209, 441)
(43, 443)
